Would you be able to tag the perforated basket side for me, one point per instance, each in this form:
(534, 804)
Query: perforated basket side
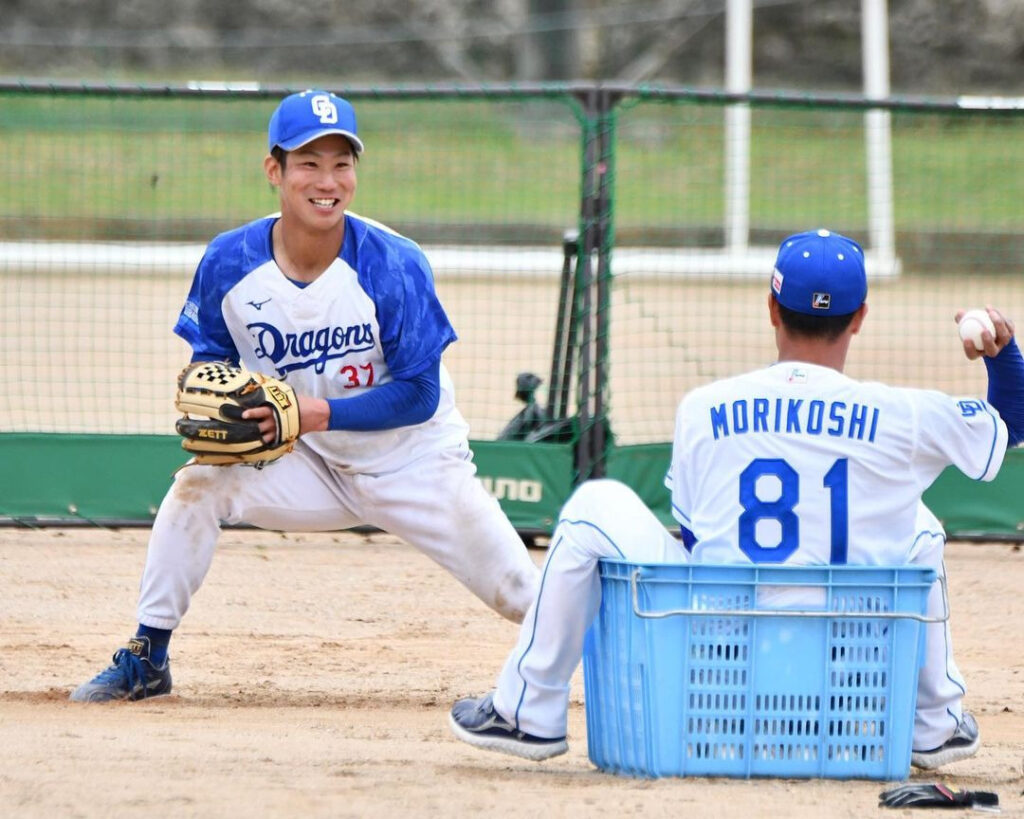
(753, 696)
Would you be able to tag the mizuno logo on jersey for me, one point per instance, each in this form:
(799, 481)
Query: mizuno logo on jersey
(258, 304)
(821, 301)
(313, 348)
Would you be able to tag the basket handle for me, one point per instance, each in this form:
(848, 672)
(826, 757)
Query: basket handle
(635, 580)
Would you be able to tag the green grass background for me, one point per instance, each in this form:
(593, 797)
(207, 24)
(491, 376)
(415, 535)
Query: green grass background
(71, 162)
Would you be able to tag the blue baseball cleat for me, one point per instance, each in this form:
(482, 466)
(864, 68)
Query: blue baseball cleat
(131, 677)
(475, 721)
(964, 743)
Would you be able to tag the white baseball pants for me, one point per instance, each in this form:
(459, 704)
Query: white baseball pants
(435, 504)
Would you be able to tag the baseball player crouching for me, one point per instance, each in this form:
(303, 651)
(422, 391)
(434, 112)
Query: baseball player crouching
(795, 463)
(341, 315)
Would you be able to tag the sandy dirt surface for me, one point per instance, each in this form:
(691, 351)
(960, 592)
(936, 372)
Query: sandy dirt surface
(314, 674)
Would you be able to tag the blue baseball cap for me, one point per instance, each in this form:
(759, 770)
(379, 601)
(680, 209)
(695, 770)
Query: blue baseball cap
(820, 273)
(308, 115)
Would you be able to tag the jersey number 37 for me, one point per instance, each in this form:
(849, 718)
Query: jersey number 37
(782, 508)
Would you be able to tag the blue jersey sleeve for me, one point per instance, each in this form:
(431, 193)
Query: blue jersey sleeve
(1006, 389)
(414, 328)
(399, 403)
(227, 259)
(201, 322)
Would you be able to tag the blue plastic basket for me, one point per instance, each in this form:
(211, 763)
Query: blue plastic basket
(696, 670)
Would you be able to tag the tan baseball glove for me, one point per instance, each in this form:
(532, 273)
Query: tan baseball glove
(221, 393)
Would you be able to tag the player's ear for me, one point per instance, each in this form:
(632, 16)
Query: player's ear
(272, 168)
(858, 318)
(773, 310)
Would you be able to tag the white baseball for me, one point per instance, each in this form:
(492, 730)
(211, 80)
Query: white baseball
(972, 323)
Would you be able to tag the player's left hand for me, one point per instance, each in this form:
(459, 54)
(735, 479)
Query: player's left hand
(1004, 331)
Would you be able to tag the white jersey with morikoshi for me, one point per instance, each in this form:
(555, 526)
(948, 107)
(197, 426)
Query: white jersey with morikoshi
(371, 316)
(798, 463)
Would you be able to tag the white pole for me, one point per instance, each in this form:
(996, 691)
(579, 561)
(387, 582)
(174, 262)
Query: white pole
(878, 134)
(739, 24)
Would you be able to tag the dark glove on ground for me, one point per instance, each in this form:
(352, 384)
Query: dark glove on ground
(935, 795)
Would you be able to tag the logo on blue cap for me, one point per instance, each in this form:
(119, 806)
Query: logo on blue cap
(309, 115)
(820, 273)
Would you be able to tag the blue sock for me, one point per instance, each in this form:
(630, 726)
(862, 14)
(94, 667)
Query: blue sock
(159, 639)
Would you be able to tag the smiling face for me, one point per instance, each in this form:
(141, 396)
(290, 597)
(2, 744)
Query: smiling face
(317, 183)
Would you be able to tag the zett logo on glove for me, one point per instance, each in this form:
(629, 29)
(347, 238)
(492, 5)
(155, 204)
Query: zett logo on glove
(221, 393)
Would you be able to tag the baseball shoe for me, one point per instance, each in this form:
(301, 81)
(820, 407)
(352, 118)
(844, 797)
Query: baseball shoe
(475, 721)
(964, 743)
(131, 677)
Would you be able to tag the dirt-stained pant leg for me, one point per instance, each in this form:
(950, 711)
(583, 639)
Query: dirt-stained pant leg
(435, 504)
(940, 687)
(296, 493)
(602, 518)
(438, 505)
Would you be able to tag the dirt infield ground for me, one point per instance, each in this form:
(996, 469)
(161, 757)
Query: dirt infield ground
(313, 677)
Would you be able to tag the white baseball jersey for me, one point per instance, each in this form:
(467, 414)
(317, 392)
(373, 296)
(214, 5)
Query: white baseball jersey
(373, 315)
(798, 463)
(795, 463)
